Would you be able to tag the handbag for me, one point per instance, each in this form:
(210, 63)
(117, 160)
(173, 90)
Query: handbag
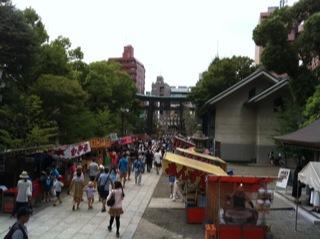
(111, 200)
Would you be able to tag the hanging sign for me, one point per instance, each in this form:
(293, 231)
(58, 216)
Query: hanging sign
(100, 143)
(72, 150)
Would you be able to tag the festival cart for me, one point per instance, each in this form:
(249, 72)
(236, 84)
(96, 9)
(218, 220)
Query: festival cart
(206, 158)
(191, 175)
(237, 206)
(179, 142)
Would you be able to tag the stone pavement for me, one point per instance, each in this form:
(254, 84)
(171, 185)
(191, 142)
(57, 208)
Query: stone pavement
(61, 222)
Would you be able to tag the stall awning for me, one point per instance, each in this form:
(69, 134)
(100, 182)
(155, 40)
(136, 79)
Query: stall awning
(310, 175)
(308, 137)
(191, 151)
(194, 164)
(241, 179)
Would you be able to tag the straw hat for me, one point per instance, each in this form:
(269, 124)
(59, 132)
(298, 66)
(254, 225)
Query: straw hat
(24, 174)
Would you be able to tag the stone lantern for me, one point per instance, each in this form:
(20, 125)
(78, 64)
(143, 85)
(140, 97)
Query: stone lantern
(200, 140)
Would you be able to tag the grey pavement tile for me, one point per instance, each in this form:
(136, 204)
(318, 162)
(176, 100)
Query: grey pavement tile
(82, 236)
(89, 228)
(61, 222)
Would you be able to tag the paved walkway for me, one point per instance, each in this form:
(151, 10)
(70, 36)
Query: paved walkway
(61, 222)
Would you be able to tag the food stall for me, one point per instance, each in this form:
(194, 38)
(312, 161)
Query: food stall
(193, 154)
(181, 142)
(192, 174)
(237, 205)
(12, 163)
(70, 152)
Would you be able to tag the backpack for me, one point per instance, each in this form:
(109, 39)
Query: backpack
(15, 227)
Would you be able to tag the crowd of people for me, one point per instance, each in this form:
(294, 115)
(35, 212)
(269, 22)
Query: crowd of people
(108, 180)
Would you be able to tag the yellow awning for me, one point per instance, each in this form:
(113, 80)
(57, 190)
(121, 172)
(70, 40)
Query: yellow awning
(194, 164)
(192, 152)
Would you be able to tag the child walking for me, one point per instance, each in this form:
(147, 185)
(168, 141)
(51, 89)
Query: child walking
(57, 188)
(90, 194)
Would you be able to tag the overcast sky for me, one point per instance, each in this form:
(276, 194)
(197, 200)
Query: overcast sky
(174, 38)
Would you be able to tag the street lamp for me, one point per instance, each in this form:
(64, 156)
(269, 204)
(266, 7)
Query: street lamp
(123, 112)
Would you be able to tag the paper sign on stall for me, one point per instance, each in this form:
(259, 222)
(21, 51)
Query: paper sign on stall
(283, 177)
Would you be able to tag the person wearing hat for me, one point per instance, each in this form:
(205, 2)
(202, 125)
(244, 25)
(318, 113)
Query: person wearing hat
(24, 188)
(19, 230)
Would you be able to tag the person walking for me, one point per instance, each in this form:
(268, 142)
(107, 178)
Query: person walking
(90, 194)
(138, 168)
(93, 170)
(123, 168)
(157, 160)
(113, 175)
(101, 171)
(116, 209)
(172, 179)
(46, 182)
(24, 194)
(114, 159)
(104, 183)
(77, 185)
(54, 173)
(18, 230)
(149, 159)
(57, 188)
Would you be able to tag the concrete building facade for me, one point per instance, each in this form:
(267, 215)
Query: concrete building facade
(133, 67)
(245, 117)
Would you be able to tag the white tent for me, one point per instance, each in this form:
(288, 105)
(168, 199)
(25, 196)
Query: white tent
(310, 175)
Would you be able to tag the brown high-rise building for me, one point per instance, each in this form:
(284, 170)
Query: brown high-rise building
(133, 67)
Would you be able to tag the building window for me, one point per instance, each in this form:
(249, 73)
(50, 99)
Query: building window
(277, 104)
(252, 93)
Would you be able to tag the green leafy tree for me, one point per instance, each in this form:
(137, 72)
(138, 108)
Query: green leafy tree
(296, 58)
(221, 74)
(109, 87)
(18, 43)
(312, 109)
(64, 101)
(24, 124)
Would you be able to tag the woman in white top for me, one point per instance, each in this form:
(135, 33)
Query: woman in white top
(116, 209)
(157, 160)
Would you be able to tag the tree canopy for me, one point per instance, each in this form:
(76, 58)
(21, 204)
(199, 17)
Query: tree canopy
(221, 74)
(49, 93)
(291, 45)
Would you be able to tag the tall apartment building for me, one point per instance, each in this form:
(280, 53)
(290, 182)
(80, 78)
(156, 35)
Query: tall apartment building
(160, 88)
(133, 67)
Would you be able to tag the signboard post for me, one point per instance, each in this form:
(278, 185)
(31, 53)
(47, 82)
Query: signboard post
(283, 177)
